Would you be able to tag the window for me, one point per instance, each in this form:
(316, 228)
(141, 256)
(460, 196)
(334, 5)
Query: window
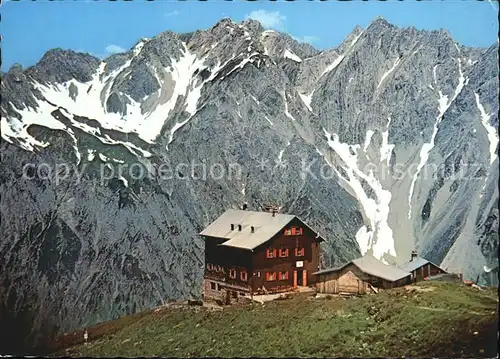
(210, 266)
(232, 273)
(299, 252)
(283, 252)
(213, 286)
(270, 276)
(258, 274)
(293, 231)
(235, 294)
(271, 253)
(283, 276)
(244, 276)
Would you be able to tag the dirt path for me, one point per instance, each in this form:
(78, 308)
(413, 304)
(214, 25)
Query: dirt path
(448, 310)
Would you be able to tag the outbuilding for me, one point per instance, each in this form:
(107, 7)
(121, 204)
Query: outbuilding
(362, 275)
(421, 268)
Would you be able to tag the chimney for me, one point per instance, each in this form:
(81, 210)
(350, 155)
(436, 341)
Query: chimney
(252, 229)
(272, 208)
(413, 255)
(232, 227)
(239, 227)
(245, 206)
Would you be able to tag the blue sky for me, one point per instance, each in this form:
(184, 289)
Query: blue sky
(29, 28)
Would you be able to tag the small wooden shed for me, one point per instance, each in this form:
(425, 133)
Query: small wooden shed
(360, 276)
(421, 268)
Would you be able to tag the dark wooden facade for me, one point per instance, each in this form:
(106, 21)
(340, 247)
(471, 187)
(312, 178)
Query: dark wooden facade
(426, 270)
(285, 261)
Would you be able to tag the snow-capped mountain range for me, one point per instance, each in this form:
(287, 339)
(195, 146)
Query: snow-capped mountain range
(385, 144)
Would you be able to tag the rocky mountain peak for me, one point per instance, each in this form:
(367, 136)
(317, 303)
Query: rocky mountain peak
(253, 26)
(357, 31)
(379, 23)
(225, 21)
(59, 65)
(16, 69)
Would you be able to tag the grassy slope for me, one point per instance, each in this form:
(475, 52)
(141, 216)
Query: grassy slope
(438, 320)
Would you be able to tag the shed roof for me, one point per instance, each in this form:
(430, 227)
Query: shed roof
(374, 267)
(416, 263)
(265, 227)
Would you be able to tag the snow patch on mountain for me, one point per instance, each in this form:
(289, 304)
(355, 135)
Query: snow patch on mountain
(386, 149)
(288, 114)
(103, 158)
(75, 145)
(379, 239)
(290, 55)
(443, 105)
(280, 155)
(137, 48)
(88, 103)
(490, 130)
(124, 180)
(17, 129)
(242, 64)
(135, 150)
(90, 154)
(368, 139)
(333, 65)
(364, 238)
(306, 99)
(434, 74)
(388, 72)
(353, 42)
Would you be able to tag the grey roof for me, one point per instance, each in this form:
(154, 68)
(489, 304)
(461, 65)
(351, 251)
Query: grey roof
(415, 264)
(374, 267)
(265, 227)
(330, 270)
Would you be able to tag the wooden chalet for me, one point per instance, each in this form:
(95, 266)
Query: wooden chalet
(249, 252)
(421, 268)
(360, 276)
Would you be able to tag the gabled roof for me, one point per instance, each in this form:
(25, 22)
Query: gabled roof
(265, 227)
(374, 267)
(416, 263)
